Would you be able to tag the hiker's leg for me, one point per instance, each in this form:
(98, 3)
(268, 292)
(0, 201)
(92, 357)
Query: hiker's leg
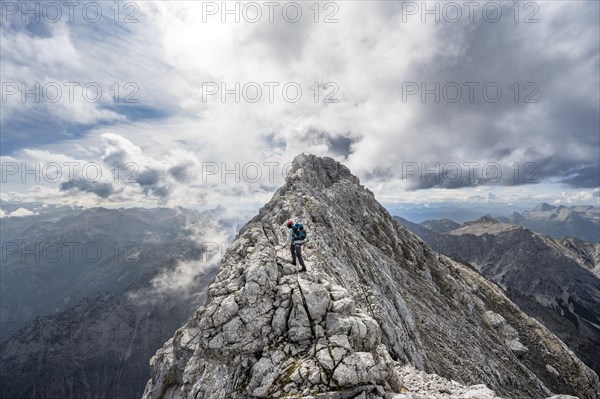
(299, 256)
(293, 251)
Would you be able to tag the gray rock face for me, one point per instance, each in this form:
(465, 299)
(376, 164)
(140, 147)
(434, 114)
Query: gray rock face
(586, 254)
(431, 386)
(548, 279)
(507, 332)
(374, 298)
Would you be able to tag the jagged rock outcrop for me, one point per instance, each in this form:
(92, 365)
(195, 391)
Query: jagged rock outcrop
(375, 297)
(432, 386)
(586, 254)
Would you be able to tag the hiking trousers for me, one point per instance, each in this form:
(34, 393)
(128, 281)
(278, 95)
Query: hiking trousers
(296, 250)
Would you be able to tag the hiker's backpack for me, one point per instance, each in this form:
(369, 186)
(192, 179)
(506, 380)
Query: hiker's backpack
(299, 232)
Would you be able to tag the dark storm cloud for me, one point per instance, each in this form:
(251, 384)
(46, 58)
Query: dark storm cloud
(183, 170)
(148, 177)
(179, 173)
(454, 175)
(152, 183)
(585, 176)
(102, 190)
(154, 178)
(338, 145)
(371, 53)
(556, 136)
(381, 174)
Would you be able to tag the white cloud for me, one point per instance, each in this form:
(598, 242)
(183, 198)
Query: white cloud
(579, 197)
(369, 54)
(19, 212)
(182, 279)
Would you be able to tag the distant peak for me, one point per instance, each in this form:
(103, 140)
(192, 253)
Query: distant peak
(486, 219)
(544, 207)
(320, 171)
(485, 225)
(98, 210)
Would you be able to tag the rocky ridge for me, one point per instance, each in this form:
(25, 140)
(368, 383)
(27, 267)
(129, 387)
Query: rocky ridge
(375, 299)
(585, 253)
(554, 281)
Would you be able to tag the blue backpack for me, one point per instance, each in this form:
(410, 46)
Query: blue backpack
(298, 232)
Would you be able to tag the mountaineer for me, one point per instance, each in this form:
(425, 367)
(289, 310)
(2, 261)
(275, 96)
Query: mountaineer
(296, 239)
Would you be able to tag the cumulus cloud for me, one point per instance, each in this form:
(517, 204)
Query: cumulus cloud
(542, 129)
(216, 230)
(581, 197)
(102, 190)
(20, 212)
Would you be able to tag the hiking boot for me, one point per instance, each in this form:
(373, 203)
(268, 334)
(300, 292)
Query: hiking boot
(293, 263)
(302, 270)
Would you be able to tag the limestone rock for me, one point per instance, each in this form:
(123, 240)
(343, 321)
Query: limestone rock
(374, 298)
(554, 281)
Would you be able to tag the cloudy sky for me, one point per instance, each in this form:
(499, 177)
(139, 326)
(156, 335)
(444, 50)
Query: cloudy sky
(164, 103)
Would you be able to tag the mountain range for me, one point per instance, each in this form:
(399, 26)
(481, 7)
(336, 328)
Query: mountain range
(379, 314)
(581, 222)
(555, 281)
(49, 265)
(97, 344)
(376, 312)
